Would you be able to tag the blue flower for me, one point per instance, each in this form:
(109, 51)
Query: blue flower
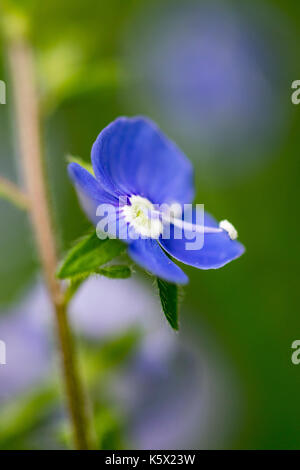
(135, 163)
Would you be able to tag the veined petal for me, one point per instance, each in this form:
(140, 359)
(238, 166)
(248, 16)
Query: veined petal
(218, 249)
(132, 156)
(89, 190)
(148, 254)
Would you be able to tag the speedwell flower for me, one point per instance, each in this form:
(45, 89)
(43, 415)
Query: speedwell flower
(133, 162)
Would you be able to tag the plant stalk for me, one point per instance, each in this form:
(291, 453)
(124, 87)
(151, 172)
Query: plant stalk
(21, 63)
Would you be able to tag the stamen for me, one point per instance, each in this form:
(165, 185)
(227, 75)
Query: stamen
(192, 227)
(148, 221)
(232, 232)
(223, 225)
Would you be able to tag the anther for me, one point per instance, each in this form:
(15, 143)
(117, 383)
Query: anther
(229, 228)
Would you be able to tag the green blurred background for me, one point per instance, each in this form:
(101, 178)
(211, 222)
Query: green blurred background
(229, 108)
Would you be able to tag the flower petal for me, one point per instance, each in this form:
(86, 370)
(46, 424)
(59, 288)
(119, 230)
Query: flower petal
(148, 254)
(218, 248)
(89, 190)
(132, 156)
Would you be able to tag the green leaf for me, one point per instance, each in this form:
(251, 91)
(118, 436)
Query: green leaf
(75, 283)
(88, 255)
(101, 357)
(169, 301)
(114, 351)
(83, 163)
(21, 417)
(115, 272)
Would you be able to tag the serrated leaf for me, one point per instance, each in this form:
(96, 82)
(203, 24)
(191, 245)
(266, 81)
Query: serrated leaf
(88, 255)
(115, 272)
(81, 162)
(169, 301)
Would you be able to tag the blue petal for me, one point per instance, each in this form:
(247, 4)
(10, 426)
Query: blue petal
(148, 254)
(218, 248)
(132, 156)
(89, 190)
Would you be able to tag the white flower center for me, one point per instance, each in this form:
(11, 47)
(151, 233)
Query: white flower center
(142, 216)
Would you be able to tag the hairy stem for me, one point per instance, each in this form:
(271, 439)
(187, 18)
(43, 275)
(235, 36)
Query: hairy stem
(27, 116)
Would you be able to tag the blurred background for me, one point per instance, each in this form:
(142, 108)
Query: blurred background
(216, 76)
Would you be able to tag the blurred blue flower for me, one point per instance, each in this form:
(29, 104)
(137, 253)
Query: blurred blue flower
(167, 380)
(28, 348)
(208, 71)
(136, 170)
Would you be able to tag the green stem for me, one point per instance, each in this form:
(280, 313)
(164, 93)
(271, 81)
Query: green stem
(26, 107)
(12, 193)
